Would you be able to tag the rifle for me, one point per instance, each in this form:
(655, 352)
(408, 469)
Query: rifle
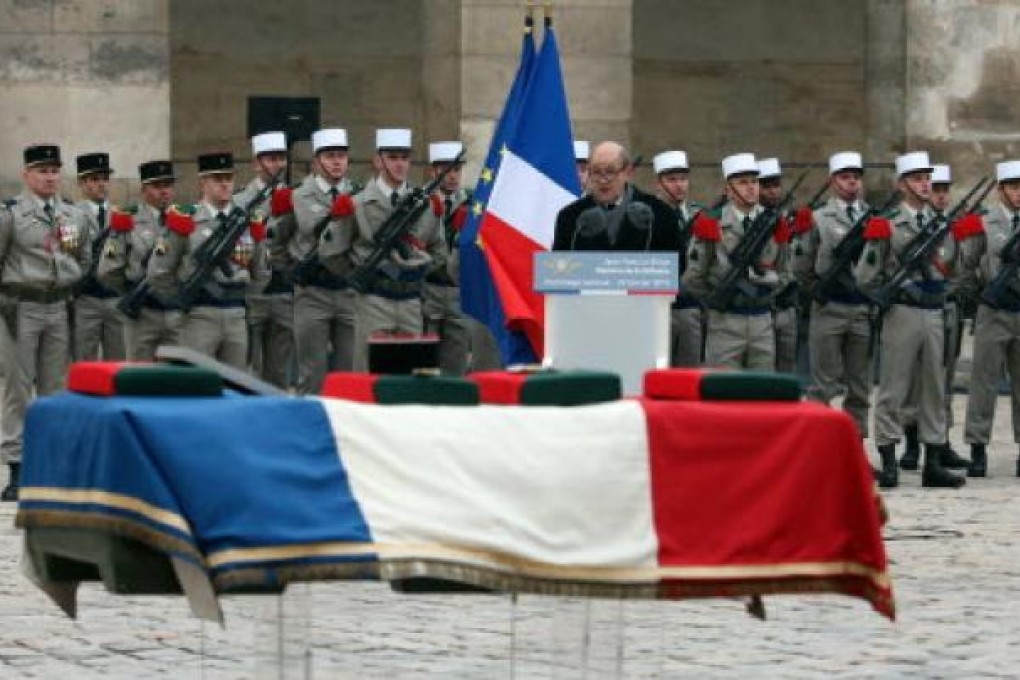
(97, 252)
(1003, 289)
(918, 251)
(846, 252)
(391, 232)
(214, 252)
(749, 250)
(307, 268)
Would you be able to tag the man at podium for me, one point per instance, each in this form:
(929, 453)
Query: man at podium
(614, 215)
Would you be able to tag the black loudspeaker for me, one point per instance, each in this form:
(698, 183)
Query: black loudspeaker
(297, 117)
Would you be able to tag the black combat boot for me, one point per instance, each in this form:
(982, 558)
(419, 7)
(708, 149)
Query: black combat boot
(10, 492)
(978, 461)
(889, 478)
(934, 475)
(952, 460)
(912, 454)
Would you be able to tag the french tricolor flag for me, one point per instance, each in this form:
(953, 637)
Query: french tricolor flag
(536, 178)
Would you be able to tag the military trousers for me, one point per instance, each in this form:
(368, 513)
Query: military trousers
(36, 354)
(838, 341)
(270, 321)
(785, 321)
(218, 332)
(485, 355)
(98, 324)
(152, 328)
(741, 341)
(377, 314)
(952, 348)
(913, 343)
(685, 336)
(324, 328)
(996, 341)
(441, 308)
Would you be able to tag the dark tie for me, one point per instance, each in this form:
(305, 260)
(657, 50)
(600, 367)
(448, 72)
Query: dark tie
(393, 198)
(48, 209)
(850, 213)
(333, 193)
(448, 206)
(920, 222)
(162, 217)
(101, 215)
(1016, 222)
(221, 218)
(747, 223)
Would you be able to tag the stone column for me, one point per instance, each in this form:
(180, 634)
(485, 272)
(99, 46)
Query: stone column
(89, 75)
(884, 79)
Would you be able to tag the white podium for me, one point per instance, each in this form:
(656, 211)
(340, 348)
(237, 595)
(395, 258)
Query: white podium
(608, 311)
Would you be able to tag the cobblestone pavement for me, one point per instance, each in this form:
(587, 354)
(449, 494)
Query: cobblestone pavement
(955, 571)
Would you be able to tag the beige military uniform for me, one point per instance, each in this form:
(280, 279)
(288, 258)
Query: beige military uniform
(441, 299)
(97, 323)
(685, 314)
(391, 302)
(270, 310)
(324, 307)
(996, 330)
(123, 265)
(742, 335)
(43, 254)
(840, 330)
(912, 332)
(215, 323)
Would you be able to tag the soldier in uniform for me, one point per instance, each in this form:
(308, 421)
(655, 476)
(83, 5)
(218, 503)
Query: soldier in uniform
(324, 305)
(214, 325)
(741, 334)
(441, 292)
(839, 335)
(956, 286)
(672, 174)
(581, 153)
(391, 301)
(43, 255)
(784, 313)
(270, 310)
(997, 325)
(614, 214)
(97, 323)
(913, 328)
(125, 259)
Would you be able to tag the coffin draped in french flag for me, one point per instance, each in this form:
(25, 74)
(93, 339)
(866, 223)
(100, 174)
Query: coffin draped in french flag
(631, 498)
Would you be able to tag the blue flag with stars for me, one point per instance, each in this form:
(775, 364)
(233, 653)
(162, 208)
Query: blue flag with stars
(478, 295)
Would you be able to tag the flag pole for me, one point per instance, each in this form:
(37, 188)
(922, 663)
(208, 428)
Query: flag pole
(547, 13)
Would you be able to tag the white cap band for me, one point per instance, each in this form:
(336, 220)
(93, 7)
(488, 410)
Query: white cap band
(768, 168)
(1007, 171)
(845, 160)
(392, 138)
(330, 138)
(268, 142)
(670, 160)
(739, 164)
(941, 174)
(581, 150)
(444, 152)
(915, 161)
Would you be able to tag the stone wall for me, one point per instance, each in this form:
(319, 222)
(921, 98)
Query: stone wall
(89, 75)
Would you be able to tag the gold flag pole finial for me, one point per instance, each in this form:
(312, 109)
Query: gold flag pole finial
(529, 20)
(547, 12)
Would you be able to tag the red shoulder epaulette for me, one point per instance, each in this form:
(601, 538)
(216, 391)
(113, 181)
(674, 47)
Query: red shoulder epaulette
(783, 231)
(343, 206)
(179, 223)
(282, 202)
(803, 220)
(257, 229)
(707, 228)
(121, 222)
(968, 226)
(878, 229)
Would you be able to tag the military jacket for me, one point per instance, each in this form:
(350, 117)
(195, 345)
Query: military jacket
(260, 212)
(349, 241)
(296, 234)
(39, 252)
(125, 256)
(982, 256)
(172, 263)
(811, 252)
(708, 260)
(880, 258)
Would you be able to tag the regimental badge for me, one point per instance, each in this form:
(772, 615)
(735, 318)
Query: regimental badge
(68, 234)
(111, 250)
(161, 247)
